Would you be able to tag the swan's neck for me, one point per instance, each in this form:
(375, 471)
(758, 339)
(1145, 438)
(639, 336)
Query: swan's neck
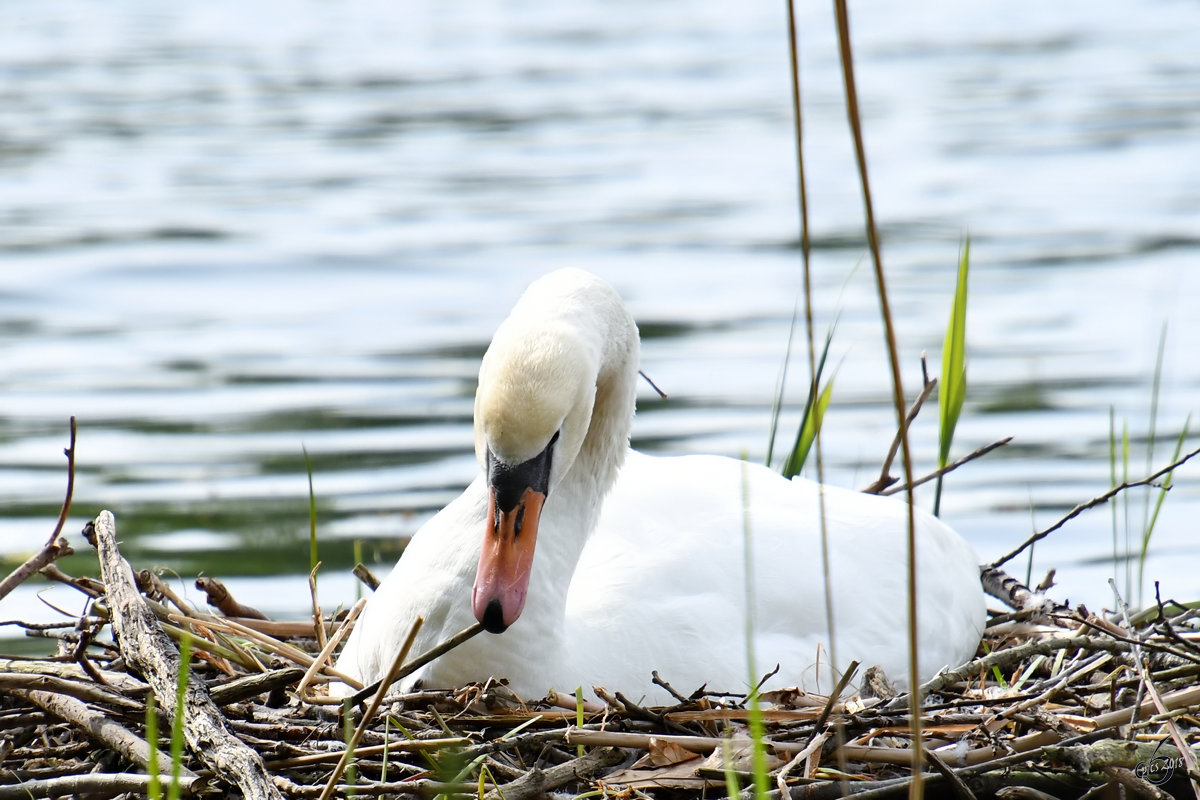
(573, 506)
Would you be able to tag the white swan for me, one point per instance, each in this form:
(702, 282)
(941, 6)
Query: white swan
(638, 563)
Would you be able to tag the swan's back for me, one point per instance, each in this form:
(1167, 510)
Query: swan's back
(670, 550)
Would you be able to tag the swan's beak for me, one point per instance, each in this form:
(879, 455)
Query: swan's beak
(515, 498)
(504, 564)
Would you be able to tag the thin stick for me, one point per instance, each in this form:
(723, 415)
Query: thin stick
(54, 548)
(318, 624)
(329, 647)
(90, 785)
(1095, 501)
(978, 453)
(66, 506)
(421, 660)
(885, 479)
(658, 681)
(653, 385)
(959, 785)
(833, 697)
(1180, 741)
(376, 701)
(814, 746)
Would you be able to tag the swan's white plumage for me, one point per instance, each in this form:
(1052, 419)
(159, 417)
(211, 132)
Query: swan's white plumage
(660, 584)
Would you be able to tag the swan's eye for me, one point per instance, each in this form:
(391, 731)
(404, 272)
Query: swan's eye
(553, 439)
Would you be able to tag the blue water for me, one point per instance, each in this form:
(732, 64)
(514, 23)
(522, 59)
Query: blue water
(229, 231)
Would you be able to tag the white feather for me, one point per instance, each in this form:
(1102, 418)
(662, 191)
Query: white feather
(639, 563)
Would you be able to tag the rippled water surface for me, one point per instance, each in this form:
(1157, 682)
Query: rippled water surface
(230, 232)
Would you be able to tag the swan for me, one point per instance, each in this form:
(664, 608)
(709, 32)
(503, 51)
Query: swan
(591, 564)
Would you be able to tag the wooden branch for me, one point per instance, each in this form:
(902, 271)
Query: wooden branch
(322, 658)
(100, 728)
(953, 465)
(366, 576)
(121, 681)
(55, 548)
(957, 784)
(93, 785)
(1016, 595)
(50, 552)
(885, 479)
(538, 783)
(145, 645)
(318, 623)
(219, 598)
(1095, 501)
(91, 692)
(1011, 655)
(253, 685)
(89, 586)
(421, 660)
(66, 506)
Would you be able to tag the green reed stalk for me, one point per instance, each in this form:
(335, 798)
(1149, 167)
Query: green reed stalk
(1162, 495)
(579, 716)
(814, 414)
(1151, 434)
(810, 327)
(780, 388)
(351, 771)
(154, 789)
(185, 662)
(952, 390)
(732, 789)
(758, 752)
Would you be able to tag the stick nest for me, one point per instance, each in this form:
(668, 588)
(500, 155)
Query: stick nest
(1061, 703)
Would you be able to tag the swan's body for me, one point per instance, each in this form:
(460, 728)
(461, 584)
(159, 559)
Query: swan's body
(661, 583)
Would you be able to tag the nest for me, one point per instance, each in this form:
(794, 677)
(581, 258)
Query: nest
(1062, 704)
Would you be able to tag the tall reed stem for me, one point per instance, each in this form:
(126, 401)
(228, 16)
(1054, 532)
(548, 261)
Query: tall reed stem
(916, 789)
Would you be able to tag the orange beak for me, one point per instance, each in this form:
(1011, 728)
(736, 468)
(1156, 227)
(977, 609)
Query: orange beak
(502, 579)
(516, 493)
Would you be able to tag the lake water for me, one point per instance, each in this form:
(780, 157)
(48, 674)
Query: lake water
(230, 232)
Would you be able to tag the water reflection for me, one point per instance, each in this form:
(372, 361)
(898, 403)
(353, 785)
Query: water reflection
(230, 233)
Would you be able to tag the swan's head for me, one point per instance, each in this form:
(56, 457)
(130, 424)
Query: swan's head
(533, 410)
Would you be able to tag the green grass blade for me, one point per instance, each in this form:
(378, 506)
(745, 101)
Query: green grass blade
(952, 390)
(1152, 433)
(185, 661)
(1162, 495)
(351, 773)
(777, 403)
(808, 433)
(814, 413)
(154, 789)
(312, 512)
(579, 716)
(754, 712)
(387, 739)
(1151, 436)
(732, 789)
